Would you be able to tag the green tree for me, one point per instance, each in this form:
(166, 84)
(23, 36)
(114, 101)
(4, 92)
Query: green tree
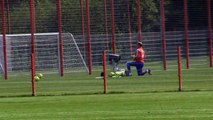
(197, 14)
(149, 15)
(46, 15)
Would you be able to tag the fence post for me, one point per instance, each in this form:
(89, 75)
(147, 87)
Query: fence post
(4, 40)
(139, 20)
(186, 33)
(33, 75)
(104, 71)
(210, 32)
(179, 68)
(61, 62)
(8, 16)
(106, 24)
(129, 26)
(33, 29)
(88, 37)
(113, 26)
(82, 26)
(163, 33)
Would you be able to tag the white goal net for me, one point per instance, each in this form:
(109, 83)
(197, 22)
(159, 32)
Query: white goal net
(1, 55)
(47, 52)
(8, 47)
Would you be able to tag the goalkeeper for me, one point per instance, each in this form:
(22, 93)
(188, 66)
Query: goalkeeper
(138, 62)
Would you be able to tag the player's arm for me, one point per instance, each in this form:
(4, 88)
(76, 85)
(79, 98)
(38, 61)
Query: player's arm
(134, 57)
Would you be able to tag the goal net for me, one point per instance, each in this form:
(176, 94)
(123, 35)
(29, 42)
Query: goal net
(47, 53)
(1, 55)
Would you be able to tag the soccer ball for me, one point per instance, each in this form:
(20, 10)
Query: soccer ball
(112, 74)
(120, 73)
(36, 78)
(40, 75)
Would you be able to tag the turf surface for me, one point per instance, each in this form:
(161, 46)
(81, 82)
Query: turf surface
(19, 84)
(78, 96)
(141, 106)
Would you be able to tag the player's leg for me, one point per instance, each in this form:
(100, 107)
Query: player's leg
(139, 68)
(149, 71)
(128, 65)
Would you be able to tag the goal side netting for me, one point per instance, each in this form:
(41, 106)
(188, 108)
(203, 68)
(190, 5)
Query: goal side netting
(47, 53)
(1, 55)
(8, 47)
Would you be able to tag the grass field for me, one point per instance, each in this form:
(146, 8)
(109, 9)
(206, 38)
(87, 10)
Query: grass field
(81, 83)
(78, 96)
(137, 106)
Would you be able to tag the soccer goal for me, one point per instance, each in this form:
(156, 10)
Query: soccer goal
(1, 61)
(73, 58)
(47, 52)
(1, 55)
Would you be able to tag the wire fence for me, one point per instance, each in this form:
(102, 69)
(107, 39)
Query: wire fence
(111, 25)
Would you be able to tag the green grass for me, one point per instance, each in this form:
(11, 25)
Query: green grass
(141, 106)
(79, 96)
(194, 79)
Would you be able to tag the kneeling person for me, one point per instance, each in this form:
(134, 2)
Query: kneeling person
(138, 61)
